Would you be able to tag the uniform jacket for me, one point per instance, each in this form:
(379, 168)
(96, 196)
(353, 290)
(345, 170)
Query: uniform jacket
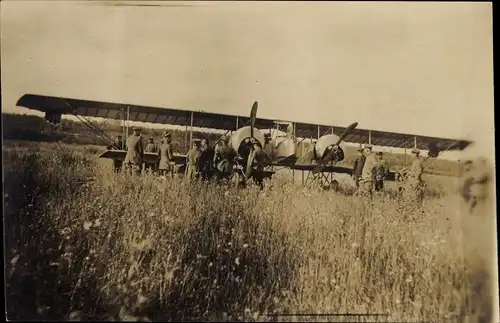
(193, 158)
(368, 167)
(151, 148)
(224, 158)
(416, 170)
(358, 165)
(165, 155)
(381, 170)
(135, 150)
(206, 159)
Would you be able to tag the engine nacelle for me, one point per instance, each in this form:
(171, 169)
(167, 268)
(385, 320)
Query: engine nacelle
(281, 147)
(53, 117)
(242, 134)
(324, 144)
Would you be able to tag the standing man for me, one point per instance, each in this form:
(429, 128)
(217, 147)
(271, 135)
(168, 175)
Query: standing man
(224, 160)
(415, 177)
(193, 159)
(135, 151)
(476, 181)
(259, 159)
(357, 170)
(366, 183)
(381, 172)
(206, 161)
(116, 145)
(151, 147)
(165, 155)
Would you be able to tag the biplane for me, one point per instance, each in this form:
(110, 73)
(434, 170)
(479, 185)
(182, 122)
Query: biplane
(259, 155)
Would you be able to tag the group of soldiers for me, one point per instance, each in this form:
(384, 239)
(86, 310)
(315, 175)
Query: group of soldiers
(202, 161)
(371, 170)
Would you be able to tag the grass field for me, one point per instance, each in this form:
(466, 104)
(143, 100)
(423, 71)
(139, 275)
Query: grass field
(84, 243)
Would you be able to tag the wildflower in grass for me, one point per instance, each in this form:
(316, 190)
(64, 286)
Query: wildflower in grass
(87, 225)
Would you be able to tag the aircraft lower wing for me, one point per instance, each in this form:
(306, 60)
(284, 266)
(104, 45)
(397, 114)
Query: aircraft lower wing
(149, 158)
(391, 176)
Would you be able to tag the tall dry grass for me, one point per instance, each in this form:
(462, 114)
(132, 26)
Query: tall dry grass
(85, 243)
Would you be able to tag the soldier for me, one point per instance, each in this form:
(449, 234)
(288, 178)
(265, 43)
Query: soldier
(475, 185)
(357, 170)
(415, 182)
(260, 160)
(165, 155)
(151, 147)
(192, 160)
(135, 151)
(224, 160)
(366, 183)
(381, 172)
(116, 145)
(206, 161)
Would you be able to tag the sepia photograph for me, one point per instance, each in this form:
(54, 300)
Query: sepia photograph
(257, 161)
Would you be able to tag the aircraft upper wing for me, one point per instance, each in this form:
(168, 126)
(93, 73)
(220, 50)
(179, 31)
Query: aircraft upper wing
(119, 111)
(201, 119)
(380, 138)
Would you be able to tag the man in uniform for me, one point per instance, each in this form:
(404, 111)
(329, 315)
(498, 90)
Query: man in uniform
(224, 160)
(205, 164)
(151, 147)
(116, 145)
(357, 170)
(381, 172)
(260, 160)
(192, 160)
(415, 182)
(366, 183)
(135, 151)
(165, 155)
(476, 181)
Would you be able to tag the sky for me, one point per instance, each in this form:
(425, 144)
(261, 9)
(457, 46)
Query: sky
(411, 67)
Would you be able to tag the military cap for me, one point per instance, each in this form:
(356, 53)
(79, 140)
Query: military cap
(136, 129)
(415, 151)
(360, 149)
(368, 146)
(151, 138)
(379, 153)
(254, 141)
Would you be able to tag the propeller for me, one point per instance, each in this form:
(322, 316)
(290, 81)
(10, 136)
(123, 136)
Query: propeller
(251, 154)
(255, 154)
(253, 116)
(324, 161)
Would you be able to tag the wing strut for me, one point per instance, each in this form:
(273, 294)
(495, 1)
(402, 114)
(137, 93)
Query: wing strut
(93, 127)
(90, 125)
